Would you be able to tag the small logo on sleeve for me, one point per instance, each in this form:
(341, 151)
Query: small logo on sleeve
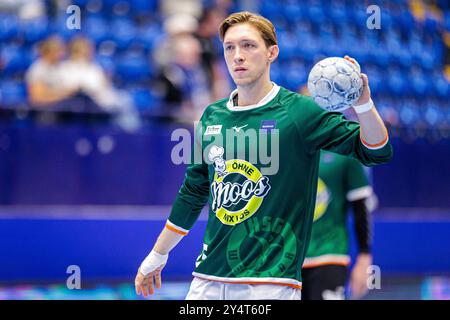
(268, 125)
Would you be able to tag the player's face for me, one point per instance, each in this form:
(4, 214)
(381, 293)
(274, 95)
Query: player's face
(55, 51)
(246, 54)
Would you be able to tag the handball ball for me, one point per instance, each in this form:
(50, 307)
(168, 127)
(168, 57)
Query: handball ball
(335, 83)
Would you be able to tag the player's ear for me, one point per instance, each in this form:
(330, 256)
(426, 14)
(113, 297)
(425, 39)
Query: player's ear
(273, 53)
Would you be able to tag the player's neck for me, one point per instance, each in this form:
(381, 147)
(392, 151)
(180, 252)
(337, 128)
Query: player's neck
(253, 93)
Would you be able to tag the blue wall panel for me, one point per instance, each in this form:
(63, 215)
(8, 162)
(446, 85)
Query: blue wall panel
(41, 167)
(33, 250)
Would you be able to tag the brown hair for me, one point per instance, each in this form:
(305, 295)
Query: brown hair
(79, 45)
(48, 45)
(264, 26)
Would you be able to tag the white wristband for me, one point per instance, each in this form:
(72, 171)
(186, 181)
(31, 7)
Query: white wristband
(364, 107)
(152, 262)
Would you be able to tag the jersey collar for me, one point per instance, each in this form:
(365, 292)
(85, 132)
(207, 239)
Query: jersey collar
(269, 97)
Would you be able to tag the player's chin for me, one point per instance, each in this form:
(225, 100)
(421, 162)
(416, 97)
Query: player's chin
(242, 81)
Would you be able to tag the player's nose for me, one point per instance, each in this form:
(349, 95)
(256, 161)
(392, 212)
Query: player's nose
(238, 57)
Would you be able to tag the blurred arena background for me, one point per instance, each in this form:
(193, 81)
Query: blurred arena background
(88, 106)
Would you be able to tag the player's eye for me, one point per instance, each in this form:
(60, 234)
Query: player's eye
(228, 48)
(249, 45)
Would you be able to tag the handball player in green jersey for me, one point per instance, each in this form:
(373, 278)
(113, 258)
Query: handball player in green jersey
(260, 211)
(343, 184)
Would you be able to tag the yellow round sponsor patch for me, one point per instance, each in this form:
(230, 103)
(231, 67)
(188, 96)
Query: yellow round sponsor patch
(250, 172)
(322, 200)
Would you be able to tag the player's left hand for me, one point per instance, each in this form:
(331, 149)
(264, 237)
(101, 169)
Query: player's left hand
(365, 95)
(359, 276)
(144, 284)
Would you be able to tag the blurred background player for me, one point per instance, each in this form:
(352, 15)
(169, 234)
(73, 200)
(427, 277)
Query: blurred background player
(342, 183)
(45, 77)
(191, 71)
(185, 81)
(212, 60)
(81, 72)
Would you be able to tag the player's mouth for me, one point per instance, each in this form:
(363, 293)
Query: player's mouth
(239, 70)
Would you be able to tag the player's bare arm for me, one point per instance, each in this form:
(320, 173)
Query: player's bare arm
(373, 130)
(358, 277)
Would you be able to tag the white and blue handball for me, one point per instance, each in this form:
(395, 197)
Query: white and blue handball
(335, 83)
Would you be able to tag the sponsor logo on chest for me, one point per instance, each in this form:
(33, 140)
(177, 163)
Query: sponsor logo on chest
(214, 129)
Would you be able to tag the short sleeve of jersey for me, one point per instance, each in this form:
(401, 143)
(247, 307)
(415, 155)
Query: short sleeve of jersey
(357, 182)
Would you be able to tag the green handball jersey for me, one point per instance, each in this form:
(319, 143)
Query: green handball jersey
(258, 172)
(341, 180)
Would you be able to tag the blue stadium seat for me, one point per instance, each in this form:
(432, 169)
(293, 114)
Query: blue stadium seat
(35, 30)
(15, 59)
(12, 93)
(107, 63)
(415, 45)
(280, 21)
(302, 26)
(270, 9)
(418, 83)
(353, 48)
(337, 12)
(396, 82)
(315, 12)
(296, 74)
(288, 45)
(97, 29)
(143, 99)
(124, 32)
(133, 67)
(387, 21)
(9, 27)
(433, 114)
(358, 14)
(428, 58)
(141, 7)
(349, 41)
(446, 22)
(293, 11)
(109, 4)
(375, 78)
(80, 3)
(431, 24)
(409, 112)
(326, 30)
(59, 27)
(149, 34)
(332, 47)
(441, 87)
(407, 21)
(276, 73)
(309, 46)
(403, 56)
(380, 55)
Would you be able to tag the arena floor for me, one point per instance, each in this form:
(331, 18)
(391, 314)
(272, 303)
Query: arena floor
(392, 288)
(100, 240)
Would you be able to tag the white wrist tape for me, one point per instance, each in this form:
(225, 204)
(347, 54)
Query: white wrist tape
(364, 107)
(152, 262)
